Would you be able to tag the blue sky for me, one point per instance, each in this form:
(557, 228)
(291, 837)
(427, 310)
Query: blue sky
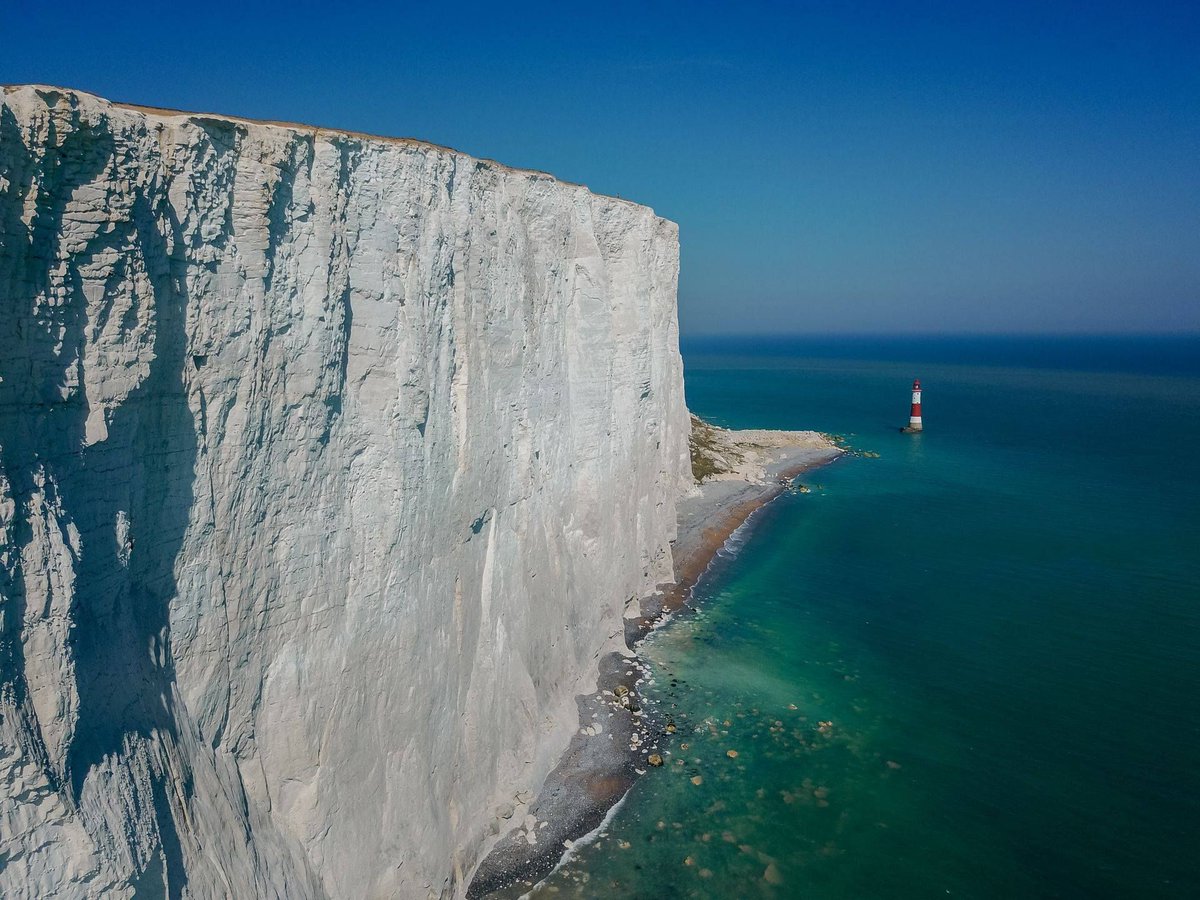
(834, 167)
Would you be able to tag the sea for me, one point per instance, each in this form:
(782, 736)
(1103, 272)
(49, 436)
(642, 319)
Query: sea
(965, 663)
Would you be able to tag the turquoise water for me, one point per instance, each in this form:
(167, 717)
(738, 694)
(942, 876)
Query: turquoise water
(970, 667)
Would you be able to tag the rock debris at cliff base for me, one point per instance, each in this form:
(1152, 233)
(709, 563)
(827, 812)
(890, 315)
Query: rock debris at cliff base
(619, 737)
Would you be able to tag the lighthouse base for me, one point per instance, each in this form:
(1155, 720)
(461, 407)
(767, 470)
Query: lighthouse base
(911, 429)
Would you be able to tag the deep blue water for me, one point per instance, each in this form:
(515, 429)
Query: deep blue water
(997, 621)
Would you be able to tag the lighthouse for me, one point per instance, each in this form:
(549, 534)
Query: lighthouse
(914, 417)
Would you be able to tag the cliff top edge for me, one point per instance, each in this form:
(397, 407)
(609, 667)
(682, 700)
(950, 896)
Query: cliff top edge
(316, 131)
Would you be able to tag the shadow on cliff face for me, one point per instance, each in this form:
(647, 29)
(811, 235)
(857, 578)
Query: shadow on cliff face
(15, 458)
(120, 639)
(124, 668)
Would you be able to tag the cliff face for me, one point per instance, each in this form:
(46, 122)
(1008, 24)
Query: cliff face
(327, 466)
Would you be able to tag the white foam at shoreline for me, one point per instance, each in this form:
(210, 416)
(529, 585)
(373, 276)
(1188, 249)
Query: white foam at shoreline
(590, 838)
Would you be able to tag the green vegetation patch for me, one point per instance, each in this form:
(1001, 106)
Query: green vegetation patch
(709, 454)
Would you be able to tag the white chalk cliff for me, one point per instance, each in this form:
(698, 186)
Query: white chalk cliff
(328, 464)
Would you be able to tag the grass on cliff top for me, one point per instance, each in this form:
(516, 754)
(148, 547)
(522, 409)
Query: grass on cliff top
(706, 461)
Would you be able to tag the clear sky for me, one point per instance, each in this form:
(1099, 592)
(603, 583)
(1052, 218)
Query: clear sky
(834, 167)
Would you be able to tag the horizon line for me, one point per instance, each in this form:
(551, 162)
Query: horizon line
(1049, 334)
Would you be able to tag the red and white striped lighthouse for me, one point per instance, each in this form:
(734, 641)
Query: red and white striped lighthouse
(914, 417)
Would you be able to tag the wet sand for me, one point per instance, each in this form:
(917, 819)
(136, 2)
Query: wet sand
(617, 737)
